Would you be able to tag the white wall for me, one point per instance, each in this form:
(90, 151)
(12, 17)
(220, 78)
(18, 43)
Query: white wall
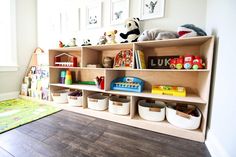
(176, 13)
(221, 138)
(26, 43)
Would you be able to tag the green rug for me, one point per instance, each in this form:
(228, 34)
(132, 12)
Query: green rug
(16, 112)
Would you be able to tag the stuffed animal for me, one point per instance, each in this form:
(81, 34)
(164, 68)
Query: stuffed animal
(110, 36)
(86, 42)
(157, 34)
(102, 40)
(190, 30)
(132, 30)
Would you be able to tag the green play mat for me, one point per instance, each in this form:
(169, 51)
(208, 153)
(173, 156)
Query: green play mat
(16, 112)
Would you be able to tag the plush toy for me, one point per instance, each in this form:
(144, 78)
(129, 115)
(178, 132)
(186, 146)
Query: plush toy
(132, 30)
(157, 34)
(110, 36)
(102, 40)
(190, 30)
(86, 42)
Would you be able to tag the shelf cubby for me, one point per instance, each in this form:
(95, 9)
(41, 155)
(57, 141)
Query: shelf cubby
(95, 54)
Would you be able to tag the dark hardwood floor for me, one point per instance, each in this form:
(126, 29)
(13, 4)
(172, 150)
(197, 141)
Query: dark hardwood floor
(67, 134)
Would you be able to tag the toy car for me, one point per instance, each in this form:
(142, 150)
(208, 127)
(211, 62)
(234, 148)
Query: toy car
(198, 63)
(188, 61)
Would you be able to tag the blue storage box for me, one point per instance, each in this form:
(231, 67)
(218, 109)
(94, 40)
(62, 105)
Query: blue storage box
(130, 84)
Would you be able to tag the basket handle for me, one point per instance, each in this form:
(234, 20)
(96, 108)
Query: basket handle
(73, 97)
(182, 114)
(117, 103)
(93, 100)
(154, 109)
(56, 94)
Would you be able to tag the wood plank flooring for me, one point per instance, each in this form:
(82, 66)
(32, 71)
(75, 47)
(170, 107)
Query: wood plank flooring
(67, 134)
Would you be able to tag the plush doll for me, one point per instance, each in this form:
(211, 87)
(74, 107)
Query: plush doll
(86, 42)
(111, 36)
(132, 30)
(102, 40)
(190, 30)
(157, 34)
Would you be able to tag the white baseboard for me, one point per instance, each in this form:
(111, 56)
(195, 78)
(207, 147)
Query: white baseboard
(10, 95)
(215, 148)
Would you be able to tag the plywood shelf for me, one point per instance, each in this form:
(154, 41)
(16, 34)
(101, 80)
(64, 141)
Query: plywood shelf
(195, 81)
(78, 86)
(174, 42)
(192, 98)
(64, 49)
(64, 67)
(110, 47)
(130, 69)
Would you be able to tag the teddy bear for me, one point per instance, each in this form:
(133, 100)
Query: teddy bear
(190, 30)
(157, 34)
(132, 30)
(110, 36)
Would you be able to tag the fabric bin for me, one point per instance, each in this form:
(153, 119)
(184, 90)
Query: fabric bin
(75, 98)
(97, 102)
(118, 105)
(183, 120)
(75, 101)
(60, 97)
(152, 111)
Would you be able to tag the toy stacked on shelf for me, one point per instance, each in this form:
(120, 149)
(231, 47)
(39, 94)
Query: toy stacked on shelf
(36, 81)
(65, 59)
(187, 62)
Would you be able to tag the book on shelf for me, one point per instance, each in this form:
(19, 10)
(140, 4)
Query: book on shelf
(137, 66)
(140, 59)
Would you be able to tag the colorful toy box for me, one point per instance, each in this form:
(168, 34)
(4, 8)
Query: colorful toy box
(130, 84)
(169, 90)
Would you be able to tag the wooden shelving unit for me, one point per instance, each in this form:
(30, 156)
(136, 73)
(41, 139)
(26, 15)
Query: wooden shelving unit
(197, 82)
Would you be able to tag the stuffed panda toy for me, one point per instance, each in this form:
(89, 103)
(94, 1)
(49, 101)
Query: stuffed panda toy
(132, 30)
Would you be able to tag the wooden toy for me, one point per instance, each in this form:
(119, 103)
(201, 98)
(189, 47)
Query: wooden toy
(188, 61)
(173, 63)
(62, 77)
(179, 62)
(87, 82)
(161, 62)
(99, 81)
(61, 45)
(124, 59)
(65, 59)
(198, 63)
(68, 80)
(169, 90)
(130, 84)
